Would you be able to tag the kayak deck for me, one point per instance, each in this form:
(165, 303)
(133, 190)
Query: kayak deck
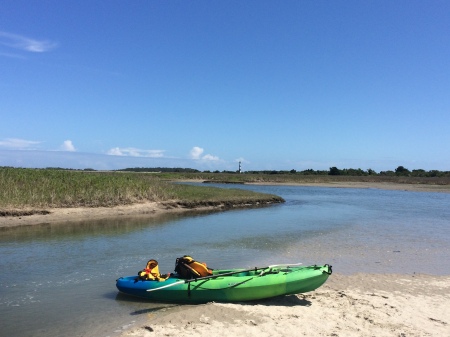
(232, 285)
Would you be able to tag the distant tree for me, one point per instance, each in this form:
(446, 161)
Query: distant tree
(434, 173)
(293, 171)
(308, 172)
(159, 169)
(401, 171)
(352, 172)
(334, 171)
(371, 172)
(419, 173)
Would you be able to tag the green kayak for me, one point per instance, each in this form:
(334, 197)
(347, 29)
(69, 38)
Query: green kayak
(232, 285)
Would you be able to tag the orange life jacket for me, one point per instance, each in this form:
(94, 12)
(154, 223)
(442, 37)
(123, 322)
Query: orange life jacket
(151, 272)
(186, 267)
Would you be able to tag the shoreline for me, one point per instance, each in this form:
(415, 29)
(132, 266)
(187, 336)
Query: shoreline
(377, 185)
(346, 305)
(155, 209)
(77, 214)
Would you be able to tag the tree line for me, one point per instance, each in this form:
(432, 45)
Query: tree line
(333, 171)
(400, 171)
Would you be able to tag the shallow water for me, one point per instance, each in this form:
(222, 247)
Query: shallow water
(60, 279)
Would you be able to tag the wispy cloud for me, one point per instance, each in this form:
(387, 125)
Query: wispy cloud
(133, 152)
(67, 145)
(18, 144)
(210, 157)
(25, 43)
(196, 153)
(15, 56)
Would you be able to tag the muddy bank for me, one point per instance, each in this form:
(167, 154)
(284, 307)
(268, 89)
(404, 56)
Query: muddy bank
(28, 217)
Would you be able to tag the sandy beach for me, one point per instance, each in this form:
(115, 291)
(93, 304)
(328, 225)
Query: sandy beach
(347, 305)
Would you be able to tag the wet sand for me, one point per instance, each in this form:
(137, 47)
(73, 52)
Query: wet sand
(74, 214)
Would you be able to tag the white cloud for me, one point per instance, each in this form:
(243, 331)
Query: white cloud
(25, 43)
(114, 152)
(196, 153)
(68, 146)
(18, 144)
(210, 157)
(133, 152)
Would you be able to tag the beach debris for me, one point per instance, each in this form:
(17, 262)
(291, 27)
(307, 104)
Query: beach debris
(437, 320)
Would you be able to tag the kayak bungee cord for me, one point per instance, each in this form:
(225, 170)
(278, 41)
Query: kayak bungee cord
(224, 274)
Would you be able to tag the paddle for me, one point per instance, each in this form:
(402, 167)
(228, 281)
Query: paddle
(224, 274)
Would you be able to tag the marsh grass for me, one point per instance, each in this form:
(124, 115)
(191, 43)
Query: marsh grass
(36, 188)
(300, 178)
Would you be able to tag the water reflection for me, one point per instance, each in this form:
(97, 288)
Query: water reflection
(89, 228)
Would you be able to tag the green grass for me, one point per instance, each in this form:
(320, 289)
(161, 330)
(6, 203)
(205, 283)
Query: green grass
(46, 188)
(34, 188)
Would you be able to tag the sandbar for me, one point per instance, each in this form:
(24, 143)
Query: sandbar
(347, 305)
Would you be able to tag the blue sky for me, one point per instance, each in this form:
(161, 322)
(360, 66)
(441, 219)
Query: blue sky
(277, 85)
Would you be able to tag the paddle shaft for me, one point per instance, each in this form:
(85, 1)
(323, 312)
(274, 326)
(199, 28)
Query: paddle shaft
(223, 274)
